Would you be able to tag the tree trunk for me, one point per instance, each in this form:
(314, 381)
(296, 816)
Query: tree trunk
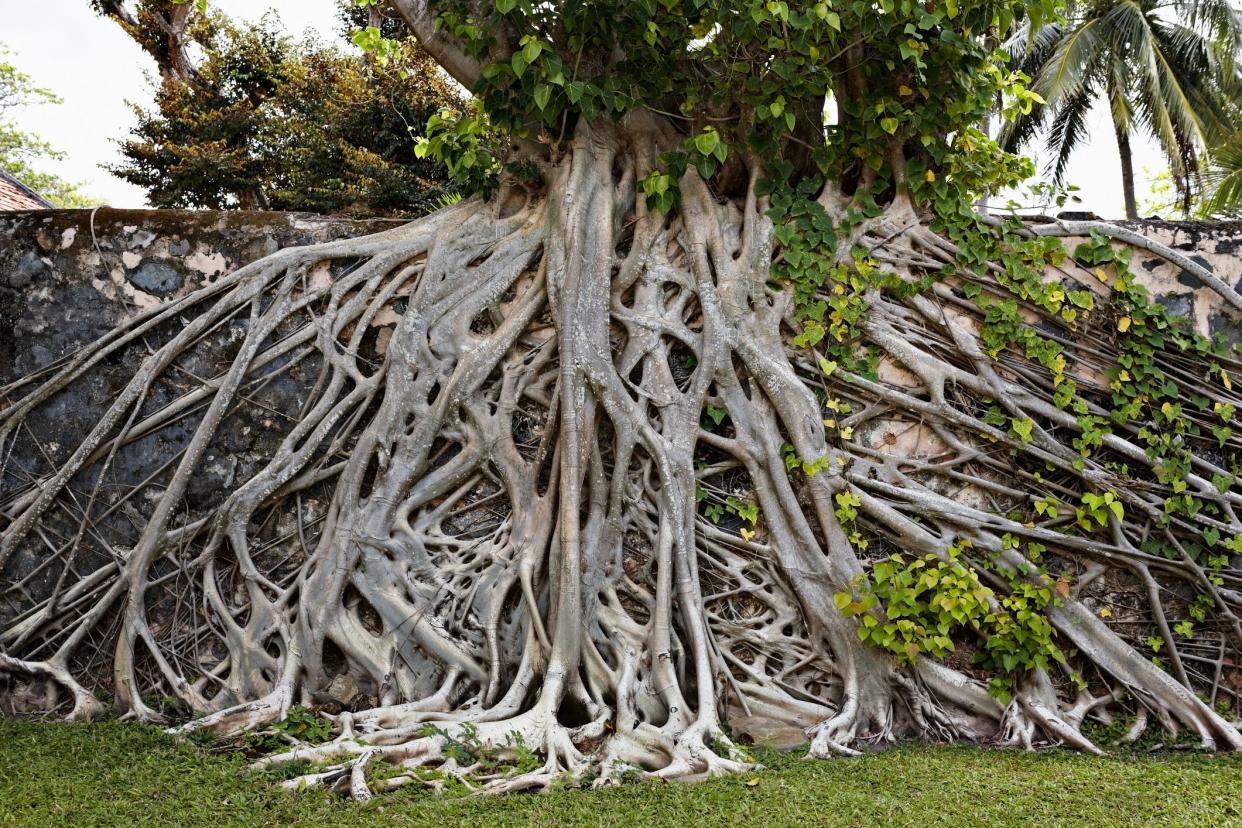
(1127, 172)
(161, 29)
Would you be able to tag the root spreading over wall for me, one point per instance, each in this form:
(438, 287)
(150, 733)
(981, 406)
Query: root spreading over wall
(513, 557)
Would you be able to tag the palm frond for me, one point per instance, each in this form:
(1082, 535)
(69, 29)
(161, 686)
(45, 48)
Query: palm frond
(1203, 79)
(1072, 61)
(1224, 180)
(1068, 129)
(1218, 20)
(1118, 90)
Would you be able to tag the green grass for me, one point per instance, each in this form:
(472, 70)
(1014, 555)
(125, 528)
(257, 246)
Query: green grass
(115, 774)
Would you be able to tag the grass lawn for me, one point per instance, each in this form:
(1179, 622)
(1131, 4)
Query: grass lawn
(125, 775)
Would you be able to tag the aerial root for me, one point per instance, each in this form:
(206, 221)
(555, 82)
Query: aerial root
(358, 777)
(504, 742)
(85, 706)
(245, 717)
(833, 737)
(492, 757)
(864, 717)
(931, 717)
(1137, 729)
(697, 754)
(1027, 718)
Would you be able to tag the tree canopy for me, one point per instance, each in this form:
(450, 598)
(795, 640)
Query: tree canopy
(756, 77)
(263, 121)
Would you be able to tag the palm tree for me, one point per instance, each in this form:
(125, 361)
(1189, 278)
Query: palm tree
(1161, 67)
(1224, 179)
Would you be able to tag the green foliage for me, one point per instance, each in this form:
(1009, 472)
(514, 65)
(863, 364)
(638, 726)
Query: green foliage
(303, 725)
(913, 607)
(847, 512)
(661, 190)
(270, 123)
(701, 62)
(1170, 420)
(1097, 509)
(466, 144)
(924, 601)
(356, 15)
(715, 507)
(385, 50)
(1018, 636)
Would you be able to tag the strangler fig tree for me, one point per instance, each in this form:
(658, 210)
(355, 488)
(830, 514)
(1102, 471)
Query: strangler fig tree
(719, 402)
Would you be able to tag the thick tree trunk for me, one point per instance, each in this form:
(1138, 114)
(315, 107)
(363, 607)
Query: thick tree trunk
(161, 29)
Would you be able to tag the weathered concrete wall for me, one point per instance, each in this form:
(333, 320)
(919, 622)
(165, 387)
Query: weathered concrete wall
(1217, 247)
(66, 275)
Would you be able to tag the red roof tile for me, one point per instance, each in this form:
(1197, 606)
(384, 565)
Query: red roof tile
(14, 195)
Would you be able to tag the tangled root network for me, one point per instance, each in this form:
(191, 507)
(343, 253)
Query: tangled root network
(511, 563)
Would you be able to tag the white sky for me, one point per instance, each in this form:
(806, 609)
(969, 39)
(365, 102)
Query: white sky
(93, 65)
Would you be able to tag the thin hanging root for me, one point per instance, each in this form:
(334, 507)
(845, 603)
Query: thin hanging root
(518, 540)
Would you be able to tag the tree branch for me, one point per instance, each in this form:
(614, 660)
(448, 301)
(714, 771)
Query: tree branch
(419, 16)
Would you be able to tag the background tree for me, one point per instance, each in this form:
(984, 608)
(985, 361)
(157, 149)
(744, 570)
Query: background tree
(163, 28)
(1159, 70)
(264, 122)
(1217, 191)
(628, 464)
(1218, 194)
(22, 152)
(1221, 193)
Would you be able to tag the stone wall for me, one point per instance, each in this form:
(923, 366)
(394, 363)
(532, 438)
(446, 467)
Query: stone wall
(66, 276)
(1215, 246)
